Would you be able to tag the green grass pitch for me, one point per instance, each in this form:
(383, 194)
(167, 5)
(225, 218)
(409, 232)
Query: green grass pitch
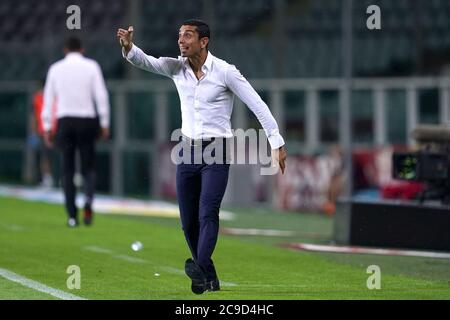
(35, 243)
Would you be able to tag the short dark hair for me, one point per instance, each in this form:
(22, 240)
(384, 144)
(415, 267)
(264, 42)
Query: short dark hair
(73, 44)
(202, 27)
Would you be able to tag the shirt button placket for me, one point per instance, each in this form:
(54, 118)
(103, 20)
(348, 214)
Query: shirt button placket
(197, 124)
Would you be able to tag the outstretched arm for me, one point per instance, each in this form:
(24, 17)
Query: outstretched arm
(163, 66)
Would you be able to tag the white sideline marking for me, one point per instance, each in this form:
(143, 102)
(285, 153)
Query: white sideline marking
(228, 284)
(130, 259)
(12, 227)
(98, 249)
(139, 260)
(181, 272)
(173, 270)
(37, 286)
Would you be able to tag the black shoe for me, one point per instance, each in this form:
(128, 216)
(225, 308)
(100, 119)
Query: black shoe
(197, 276)
(72, 223)
(213, 285)
(87, 217)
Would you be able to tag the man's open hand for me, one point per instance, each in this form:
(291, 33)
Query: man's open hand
(279, 157)
(104, 134)
(126, 38)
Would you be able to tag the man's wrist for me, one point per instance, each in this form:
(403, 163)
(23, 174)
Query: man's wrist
(276, 140)
(128, 48)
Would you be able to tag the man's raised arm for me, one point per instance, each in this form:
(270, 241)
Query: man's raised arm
(163, 66)
(125, 39)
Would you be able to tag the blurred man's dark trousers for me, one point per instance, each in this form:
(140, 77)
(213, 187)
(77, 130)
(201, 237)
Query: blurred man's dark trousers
(200, 189)
(77, 134)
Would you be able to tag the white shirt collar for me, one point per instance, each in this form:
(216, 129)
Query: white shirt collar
(71, 55)
(208, 61)
(207, 64)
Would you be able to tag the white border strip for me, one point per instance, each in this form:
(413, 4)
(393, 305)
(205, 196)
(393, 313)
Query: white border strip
(344, 249)
(37, 286)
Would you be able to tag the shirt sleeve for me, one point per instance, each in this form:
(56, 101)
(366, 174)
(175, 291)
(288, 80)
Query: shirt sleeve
(237, 83)
(164, 66)
(101, 97)
(49, 98)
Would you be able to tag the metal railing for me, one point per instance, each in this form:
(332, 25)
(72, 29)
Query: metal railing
(275, 89)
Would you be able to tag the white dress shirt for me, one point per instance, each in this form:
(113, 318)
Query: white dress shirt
(206, 104)
(75, 82)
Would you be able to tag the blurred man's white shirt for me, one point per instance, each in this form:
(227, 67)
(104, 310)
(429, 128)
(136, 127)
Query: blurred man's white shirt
(75, 82)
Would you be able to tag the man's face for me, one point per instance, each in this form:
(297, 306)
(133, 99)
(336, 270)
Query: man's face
(189, 42)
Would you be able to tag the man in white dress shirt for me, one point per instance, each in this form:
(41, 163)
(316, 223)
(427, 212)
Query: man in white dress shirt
(206, 86)
(76, 83)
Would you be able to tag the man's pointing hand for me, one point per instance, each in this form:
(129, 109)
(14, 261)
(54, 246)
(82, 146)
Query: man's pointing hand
(126, 38)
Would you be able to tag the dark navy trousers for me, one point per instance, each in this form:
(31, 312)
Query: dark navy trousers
(200, 189)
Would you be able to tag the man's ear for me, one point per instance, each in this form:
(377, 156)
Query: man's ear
(204, 42)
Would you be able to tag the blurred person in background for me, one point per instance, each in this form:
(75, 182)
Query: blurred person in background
(76, 82)
(337, 180)
(36, 138)
(206, 86)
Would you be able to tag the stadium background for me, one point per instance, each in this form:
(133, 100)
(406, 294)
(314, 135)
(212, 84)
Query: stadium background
(343, 95)
(298, 54)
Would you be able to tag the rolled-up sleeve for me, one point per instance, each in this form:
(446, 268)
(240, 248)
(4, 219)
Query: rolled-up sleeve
(237, 83)
(164, 66)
